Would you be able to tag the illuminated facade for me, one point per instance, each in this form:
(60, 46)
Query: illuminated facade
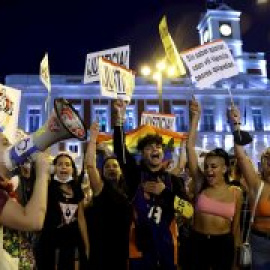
(250, 90)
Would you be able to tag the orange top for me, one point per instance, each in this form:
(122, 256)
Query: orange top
(262, 216)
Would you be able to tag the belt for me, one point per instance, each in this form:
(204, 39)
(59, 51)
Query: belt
(261, 234)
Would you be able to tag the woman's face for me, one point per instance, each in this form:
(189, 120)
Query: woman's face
(63, 168)
(214, 170)
(112, 170)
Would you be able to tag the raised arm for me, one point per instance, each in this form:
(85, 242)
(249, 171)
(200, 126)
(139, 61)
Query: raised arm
(126, 160)
(122, 153)
(195, 113)
(181, 161)
(30, 217)
(250, 174)
(91, 165)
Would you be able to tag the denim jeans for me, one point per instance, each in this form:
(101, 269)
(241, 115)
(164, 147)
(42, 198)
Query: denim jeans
(260, 247)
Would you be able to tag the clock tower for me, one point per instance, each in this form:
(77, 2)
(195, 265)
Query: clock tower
(221, 22)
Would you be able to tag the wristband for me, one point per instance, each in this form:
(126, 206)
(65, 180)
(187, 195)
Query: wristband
(241, 137)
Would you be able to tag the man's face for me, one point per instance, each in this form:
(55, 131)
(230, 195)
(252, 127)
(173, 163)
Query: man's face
(153, 155)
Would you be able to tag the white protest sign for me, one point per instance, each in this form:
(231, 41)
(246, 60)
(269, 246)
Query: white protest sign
(210, 63)
(159, 120)
(44, 72)
(10, 100)
(116, 81)
(119, 55)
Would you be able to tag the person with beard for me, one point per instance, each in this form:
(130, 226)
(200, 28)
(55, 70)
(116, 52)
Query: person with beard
(255, 181)
(215, 237)
(63, 242)
(108, 218)
(153, 236)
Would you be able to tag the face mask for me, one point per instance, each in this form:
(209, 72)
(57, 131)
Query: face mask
(55, 177)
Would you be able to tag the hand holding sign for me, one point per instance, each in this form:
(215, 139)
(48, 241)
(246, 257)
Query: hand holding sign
(240, 137)
(119, 107)
(194, 108)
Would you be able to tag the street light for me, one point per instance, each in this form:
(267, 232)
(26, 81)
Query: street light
(162, 69)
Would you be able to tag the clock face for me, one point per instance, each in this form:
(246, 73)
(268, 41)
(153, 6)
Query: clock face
(206, 36)
(225, 29)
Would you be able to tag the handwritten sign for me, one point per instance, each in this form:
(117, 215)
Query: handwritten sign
(165, 121)
(210, 63)
(116, 81)
(119, 55)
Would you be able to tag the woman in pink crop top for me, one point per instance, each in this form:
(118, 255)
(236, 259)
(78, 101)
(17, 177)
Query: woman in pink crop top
(14, 215)
(260, 233)
(216, 226)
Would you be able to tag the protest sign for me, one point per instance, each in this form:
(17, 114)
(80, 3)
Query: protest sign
(170, 48)
(44, 72)
(165, 121)
(116, 81)
(119, 55)
(10, 100)
(210, 63)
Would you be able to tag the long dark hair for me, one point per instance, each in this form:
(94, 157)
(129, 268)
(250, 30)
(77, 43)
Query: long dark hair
(75, 171)
(121, 185)
(75, 183)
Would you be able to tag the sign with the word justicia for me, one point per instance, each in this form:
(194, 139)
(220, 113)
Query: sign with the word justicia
(159, 120)
(115, 81)
(119, 55)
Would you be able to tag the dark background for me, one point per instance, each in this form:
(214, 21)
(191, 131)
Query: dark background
(68, 30)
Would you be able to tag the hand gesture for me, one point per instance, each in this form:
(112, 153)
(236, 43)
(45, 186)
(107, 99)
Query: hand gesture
(119, 107)
(234, 115)
(94, 131)
(194, 108)
(154, 187)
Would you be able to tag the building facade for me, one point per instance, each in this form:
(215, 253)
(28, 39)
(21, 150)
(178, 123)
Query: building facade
(250, 90)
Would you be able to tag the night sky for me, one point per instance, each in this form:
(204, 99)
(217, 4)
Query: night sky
(68, 30)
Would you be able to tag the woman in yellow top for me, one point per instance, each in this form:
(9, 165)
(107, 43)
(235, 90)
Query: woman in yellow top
(216, 227)
(260, 233)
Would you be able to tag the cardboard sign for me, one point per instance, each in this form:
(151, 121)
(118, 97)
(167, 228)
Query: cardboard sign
(119, 55)
(165, 121)
(10, 100)
(116, 81)
(210, 63)
(44, 72)
(170, 48)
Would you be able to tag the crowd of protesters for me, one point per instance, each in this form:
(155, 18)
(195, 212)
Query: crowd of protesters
(118, 213)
